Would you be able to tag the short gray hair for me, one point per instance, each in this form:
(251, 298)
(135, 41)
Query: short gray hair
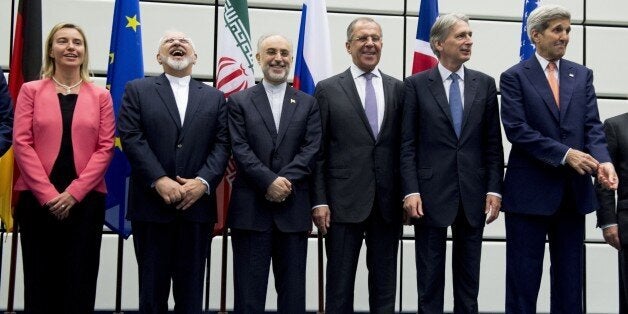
(441, 28)
(165, 36)
(361, 19)
(266, 36)
(540, 18)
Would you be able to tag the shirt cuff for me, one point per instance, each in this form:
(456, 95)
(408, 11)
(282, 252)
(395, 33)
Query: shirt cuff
(494, 194)
(205, 183)
(411, 194)
(562, 162)
(607, 226)
(317, 206)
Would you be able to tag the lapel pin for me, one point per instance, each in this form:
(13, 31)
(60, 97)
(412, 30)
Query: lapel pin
(292, 101)
(571, 75)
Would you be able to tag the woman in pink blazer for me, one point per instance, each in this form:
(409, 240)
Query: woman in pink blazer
(63, 142)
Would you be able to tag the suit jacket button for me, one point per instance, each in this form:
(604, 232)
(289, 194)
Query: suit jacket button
(179, 145)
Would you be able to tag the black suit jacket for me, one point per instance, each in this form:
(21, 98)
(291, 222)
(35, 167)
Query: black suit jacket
(616, 130)
(263, 153)
(354, 169)
(6, 116)
(157, 145)
(443, 168)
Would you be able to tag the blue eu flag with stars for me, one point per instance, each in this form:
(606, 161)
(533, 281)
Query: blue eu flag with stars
(125, 64)
(527, 48)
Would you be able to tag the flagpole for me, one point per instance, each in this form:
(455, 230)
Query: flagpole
(11, 295)
(118, 309)
(321, 279)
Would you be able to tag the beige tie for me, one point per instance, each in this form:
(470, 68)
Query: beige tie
(551, 78)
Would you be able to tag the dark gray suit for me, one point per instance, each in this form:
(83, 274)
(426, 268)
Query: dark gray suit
(453, 176)
(357, 175)
(264, 230)
(171, 243)
(616, 129)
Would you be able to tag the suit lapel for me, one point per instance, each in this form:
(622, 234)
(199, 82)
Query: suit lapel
(162, 85)
(536, 76)
(348, 85)
(260, 101)
(566, 86)
(290, 102)
(436, 87)
(389, 100)
(194, 101)
(470, 89)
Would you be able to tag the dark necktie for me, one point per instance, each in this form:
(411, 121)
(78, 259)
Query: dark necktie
(455, 103)
(370, 102)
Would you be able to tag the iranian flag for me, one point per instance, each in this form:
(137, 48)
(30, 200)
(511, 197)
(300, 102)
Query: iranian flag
(234, 73)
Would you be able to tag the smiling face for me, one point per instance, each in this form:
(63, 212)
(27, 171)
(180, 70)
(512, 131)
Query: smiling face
(176, 54)
(551, 43)
(456, 48)
(365, 45)
(67, 49)
(275, 58)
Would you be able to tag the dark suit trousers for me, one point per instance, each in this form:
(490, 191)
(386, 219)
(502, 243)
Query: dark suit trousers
(430, 247)
(174, 251)
(525, 247)
(252, 254)
(60, 258)
(343, 243)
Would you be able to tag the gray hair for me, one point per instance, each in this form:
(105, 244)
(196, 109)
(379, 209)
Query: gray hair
(165, 35)
(266, 36)
(441, 28)
(540, 18)
(361, 19)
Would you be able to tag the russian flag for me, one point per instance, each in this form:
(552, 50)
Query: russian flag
(424, 58)
(313, 62)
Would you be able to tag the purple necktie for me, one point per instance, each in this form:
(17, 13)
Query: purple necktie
(370, 103)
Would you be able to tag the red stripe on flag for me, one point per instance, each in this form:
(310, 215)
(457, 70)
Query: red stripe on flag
(423, 62)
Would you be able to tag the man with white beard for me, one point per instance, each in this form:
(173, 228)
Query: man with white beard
(174, 133)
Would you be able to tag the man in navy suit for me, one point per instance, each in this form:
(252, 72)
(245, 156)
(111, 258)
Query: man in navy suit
(275, 135)
(550, 115)
(452, 165)
(357, 197)
(6, 116)
(174, 133)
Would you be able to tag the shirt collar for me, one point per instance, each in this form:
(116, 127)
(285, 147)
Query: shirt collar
(181, 81)
(445, 73)
(272, 88)
(544, 62)
(357, 72)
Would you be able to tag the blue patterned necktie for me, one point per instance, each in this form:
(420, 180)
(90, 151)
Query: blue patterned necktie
(455, 103)
(370, 103)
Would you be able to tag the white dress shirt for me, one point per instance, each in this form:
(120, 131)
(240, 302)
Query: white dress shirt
(181, 90)
(275, 95)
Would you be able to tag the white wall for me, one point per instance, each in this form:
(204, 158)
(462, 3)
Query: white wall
(599, 40)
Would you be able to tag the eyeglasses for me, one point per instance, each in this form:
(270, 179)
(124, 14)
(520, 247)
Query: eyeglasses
(182, 40)
(364, 39)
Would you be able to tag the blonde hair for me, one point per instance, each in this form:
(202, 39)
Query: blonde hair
(48, 69)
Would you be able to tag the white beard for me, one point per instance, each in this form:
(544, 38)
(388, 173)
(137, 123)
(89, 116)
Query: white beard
(178, 64)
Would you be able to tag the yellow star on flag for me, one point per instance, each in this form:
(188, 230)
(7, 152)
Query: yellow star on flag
(111, 57)
(133, 22)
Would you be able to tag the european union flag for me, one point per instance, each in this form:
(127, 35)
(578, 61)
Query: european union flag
(527, 48)
(125, 64)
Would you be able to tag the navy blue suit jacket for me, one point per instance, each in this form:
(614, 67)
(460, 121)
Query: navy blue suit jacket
(434, 162)
(541, 134)
(263, 153)
(6, 116)
(157, 145)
